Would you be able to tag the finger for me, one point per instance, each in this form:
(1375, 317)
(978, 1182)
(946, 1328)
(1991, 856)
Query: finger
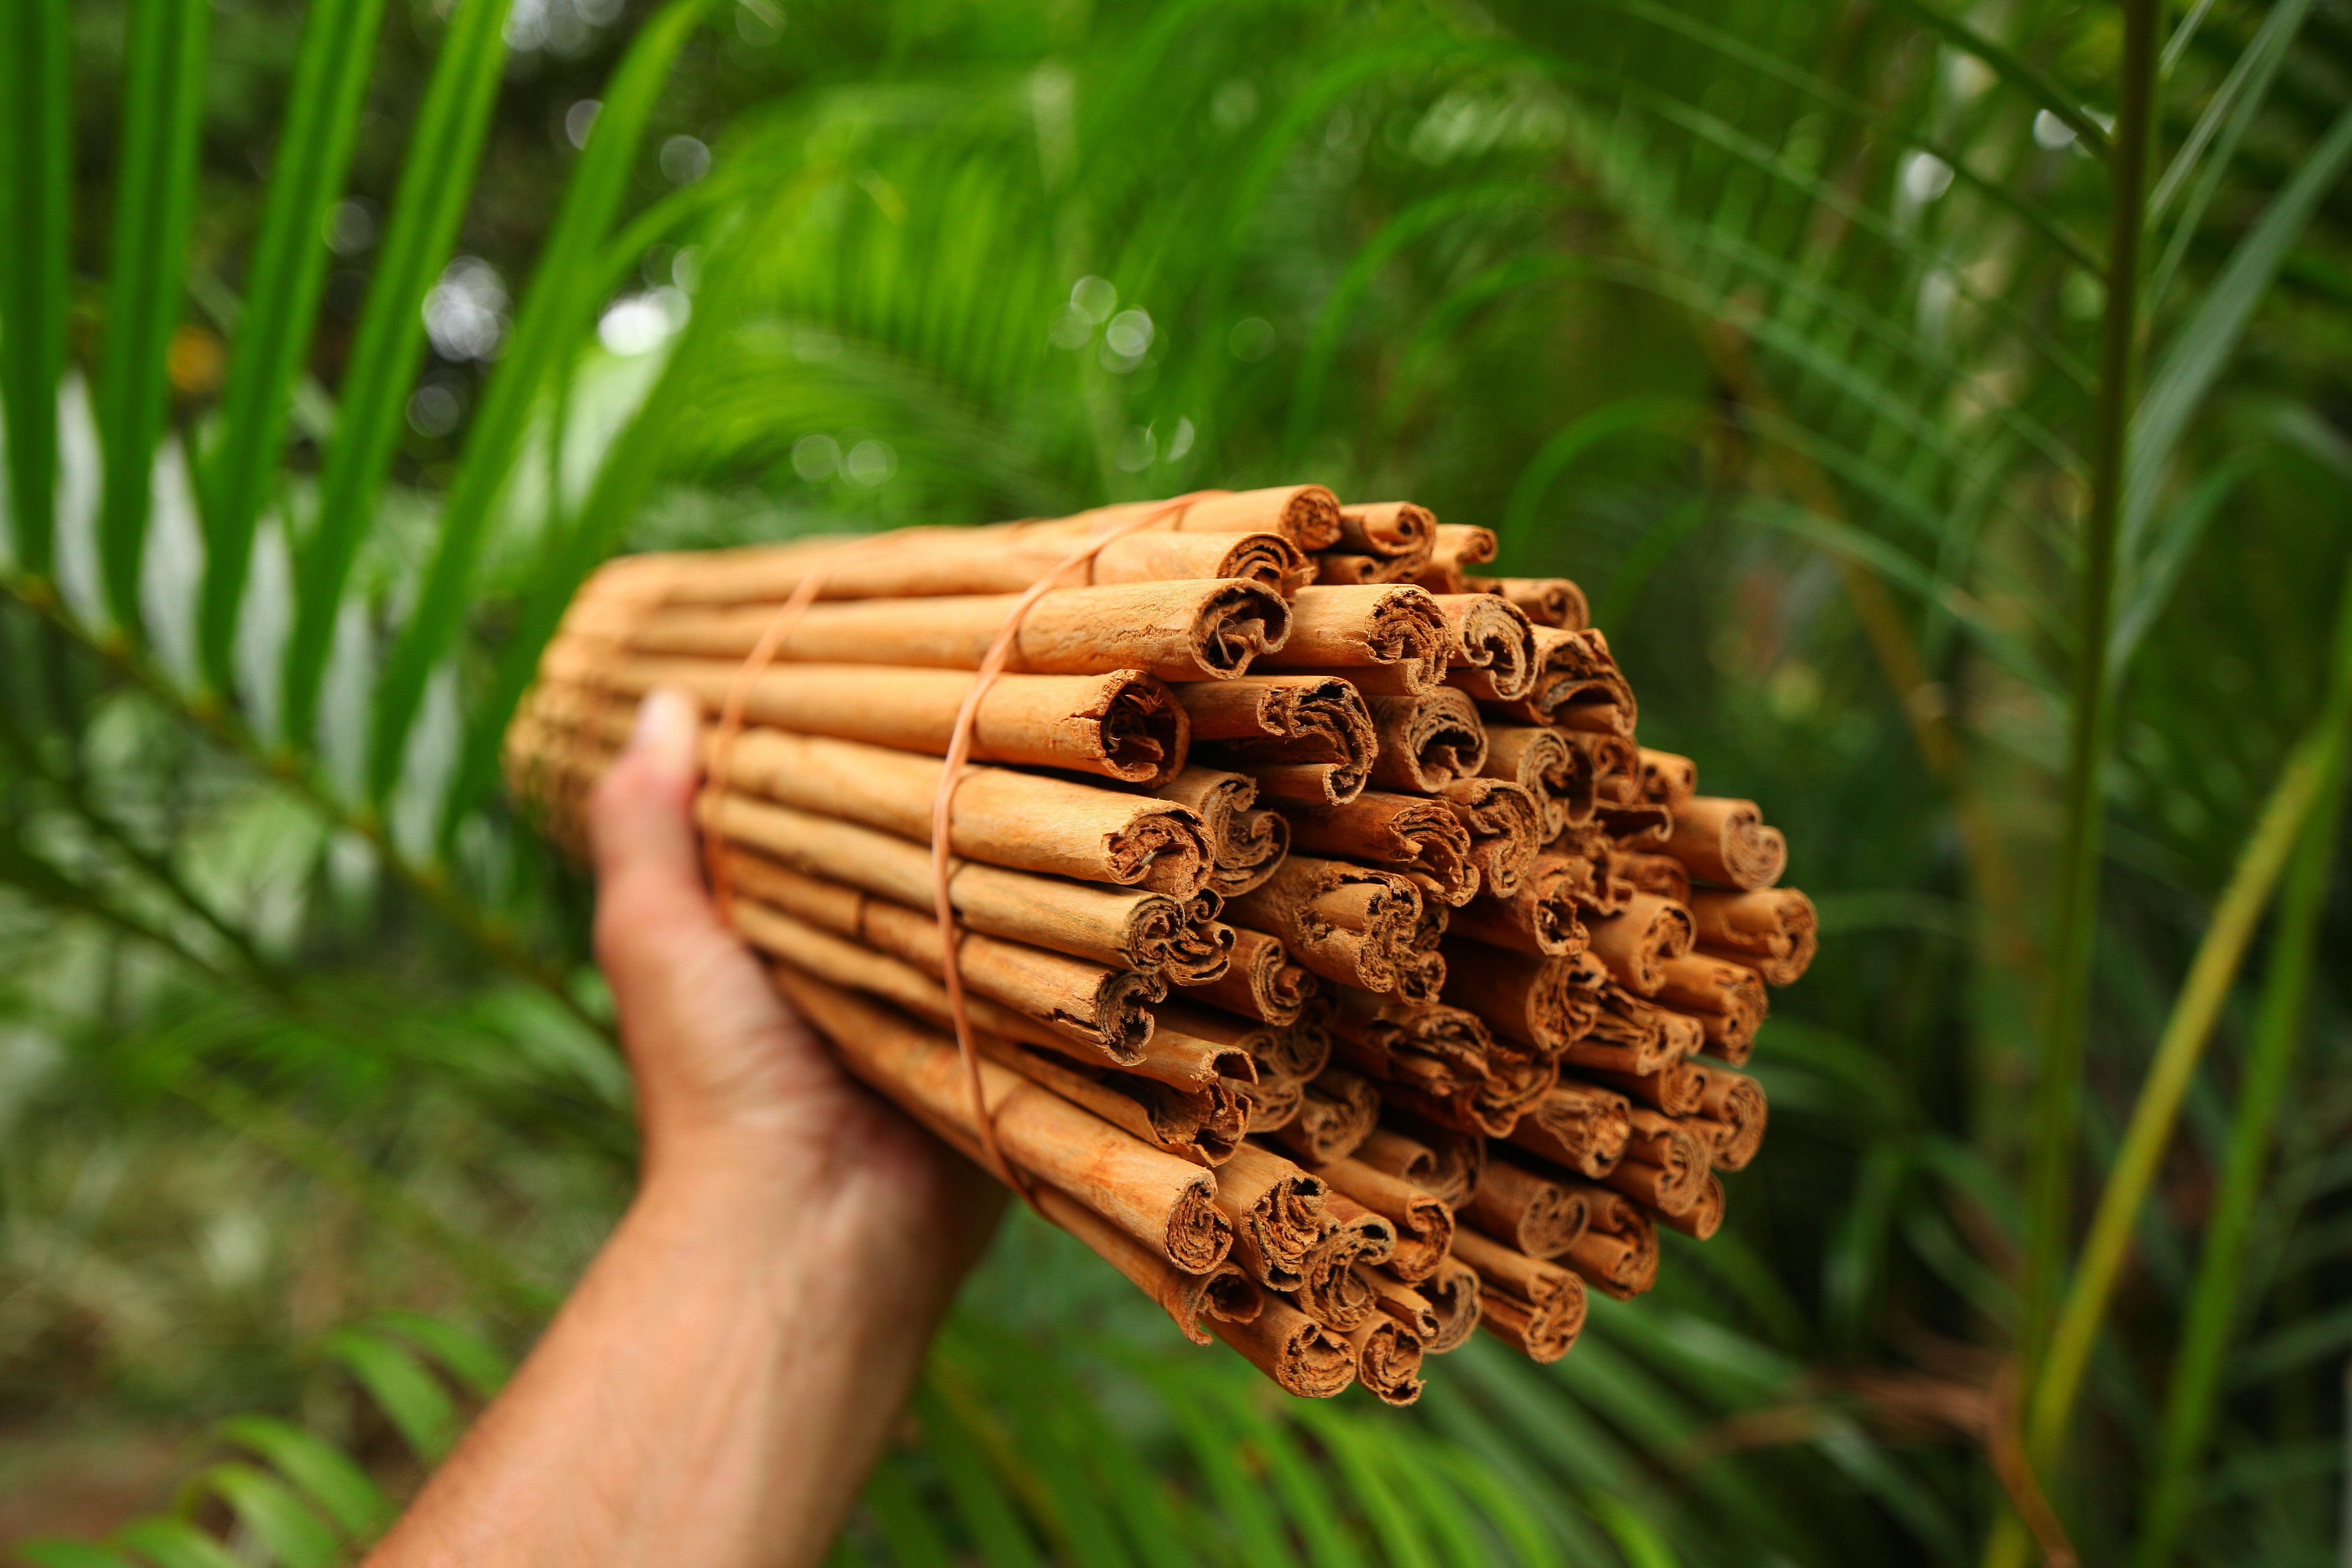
(652, 912)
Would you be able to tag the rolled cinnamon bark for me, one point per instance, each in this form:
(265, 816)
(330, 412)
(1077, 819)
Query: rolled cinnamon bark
(1223, 1294)
(1727, 999)
(1773, 930)
(1539, 920)
(1246, 842)
(1454, 1294)
(1520, 1208)
(1302, 737)
(1299, 1353)
(1457, 1157)
(1421, 975)
(1097, 1006)
(1385, 637)
(1273, 1102)
(1491, 1107)
(1275, 1212)
(1639, 826)
(1340, 1112)
(924, 563)
(1632, 1035)
(1546, 601)
(1020, 821)
(1639, 943)
(1534, 1305)
(1399, 1300)
(1179, 631)
(1201, 1128)
(1578, 685)
(1347, 923)
(1388, 1359)
(1665, 1163)
(1540, 760)
(1506, 827)
(1547, 1004)
(1678, 1088)
(1579, 1127)
(1668, 778)
(1424, 1226)
(1329, 1289)
(1705, 1216)
(1298, 1050)
(1377, 1031)
(1423, 839)
(1726, 841)
(1490, 648)
(1660, 874)
(1618, 1253)
(1126, 725)
(1307, 515)
(1731, 1108)
(1426, 742)
(1391, 529)
(1165, 1203)
(1121, 929)
(1261, 982)
(1455, 548)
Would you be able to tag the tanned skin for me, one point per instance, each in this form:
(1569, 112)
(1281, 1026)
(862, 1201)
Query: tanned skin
(728, 1369)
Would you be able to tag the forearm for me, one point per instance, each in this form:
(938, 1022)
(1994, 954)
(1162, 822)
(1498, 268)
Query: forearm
(713, 1393)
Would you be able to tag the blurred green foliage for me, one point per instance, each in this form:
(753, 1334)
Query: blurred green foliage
(1778, 326)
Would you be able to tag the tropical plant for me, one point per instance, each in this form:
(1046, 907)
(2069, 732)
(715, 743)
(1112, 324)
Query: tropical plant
(1943, 408)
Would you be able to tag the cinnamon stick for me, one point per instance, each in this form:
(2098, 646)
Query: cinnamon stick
(1705, 1216)
(1732, 1110)
(1202, 630)
(1547, 1004)
(1490, 646)
(1165, 1203)
(1421, 840)
(1273, 1102)
(1660, 874)
(1388, 1359)
(1440, 1160)
(1678, 1088)
(1427, 742)
(1457, 546)
(1727, 999)
(1391, 529)
(1638, 943)
(1536, 1306)
(1424, 1226)
(1302, 737)
(1096, 1006)
(1340, 1112)
(1726, 841)
(1118, 928)
(1618, 1253)
(1667, 778)
(1126, 725)
(1539, 760)
(1454, 1294)
(1396, 1299)
(1578, 685)
(1329, 1289)
(1298, 1050)
(1223, 1294)
(1261, 982)
(1665, 1163)
(1774, 930)
(1376, 1030)
(1546, 601)
(1275, 1212)
(1307, 515)
(1579, 1127)
(1505, 824)
(1301, 1356)
(1539, 920)
(1202, 1128)
(1384, 637)
(1246, 842)
(1517, 1206)
(1347, 923)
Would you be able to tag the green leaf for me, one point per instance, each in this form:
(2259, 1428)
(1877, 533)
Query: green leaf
(1644, 1547)
(35, 202)
(2015, 70)
(434, 183)
(2206, 340)
(164, 101)
(283, 277)
(1244, 1508)
(171, 1542)
(408, 1393)
(904, 1520)
(51, 1551)
(988, 1511)
(284, 1526)
(480, 1365)
(555, 313)
(324, 1472)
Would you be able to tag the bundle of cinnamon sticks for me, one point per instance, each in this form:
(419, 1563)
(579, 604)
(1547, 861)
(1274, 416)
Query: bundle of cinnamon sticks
(1331, 958)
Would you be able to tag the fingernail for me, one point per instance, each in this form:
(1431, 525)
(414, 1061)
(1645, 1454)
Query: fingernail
(667, 727)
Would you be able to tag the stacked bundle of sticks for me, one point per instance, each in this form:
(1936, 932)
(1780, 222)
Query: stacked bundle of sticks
(1288, 912)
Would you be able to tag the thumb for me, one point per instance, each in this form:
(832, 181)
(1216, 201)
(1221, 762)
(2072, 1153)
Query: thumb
(650, 897)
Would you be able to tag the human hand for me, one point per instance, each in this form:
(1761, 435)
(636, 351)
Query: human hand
(730, 1082)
